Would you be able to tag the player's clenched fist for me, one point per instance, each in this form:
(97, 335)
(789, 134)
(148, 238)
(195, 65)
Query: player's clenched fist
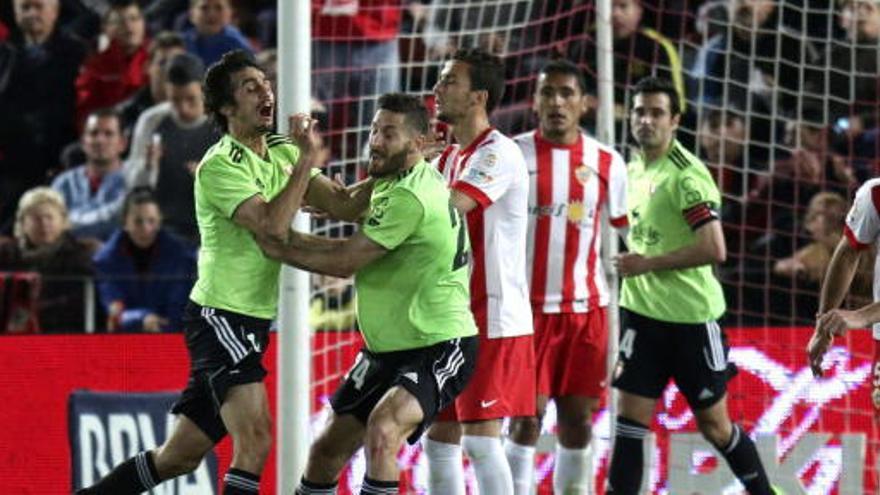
(631, 264)
(303, 132)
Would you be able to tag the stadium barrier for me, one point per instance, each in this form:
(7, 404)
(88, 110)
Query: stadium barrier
(816, 436)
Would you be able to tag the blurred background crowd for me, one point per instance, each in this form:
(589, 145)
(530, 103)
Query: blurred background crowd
(102, 124)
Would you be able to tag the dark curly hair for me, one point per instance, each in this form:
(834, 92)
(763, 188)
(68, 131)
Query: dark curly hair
(218, 84)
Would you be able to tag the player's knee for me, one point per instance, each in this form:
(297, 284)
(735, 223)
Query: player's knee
(574, 429)
(717, 432)
(525, 430)
(383, 435)
(255, 439)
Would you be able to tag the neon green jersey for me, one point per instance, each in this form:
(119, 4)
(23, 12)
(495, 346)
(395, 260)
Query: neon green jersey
(666, 201)
(416, 295)
(233, 273)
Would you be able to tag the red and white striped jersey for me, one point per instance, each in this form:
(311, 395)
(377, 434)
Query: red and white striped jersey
(492, 172)
(862, 229)
(569, 186)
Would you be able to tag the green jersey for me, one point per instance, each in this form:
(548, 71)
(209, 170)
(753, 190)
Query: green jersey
(666, 201)
(417, 294)
(233, 273)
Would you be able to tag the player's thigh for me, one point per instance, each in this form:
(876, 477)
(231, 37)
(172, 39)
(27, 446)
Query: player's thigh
(636, 407)
(575, 410)
(245, 412)
(701, 366)
(398, 413)
(644, 359)
(341, 437)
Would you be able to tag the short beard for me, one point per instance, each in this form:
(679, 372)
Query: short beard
(393, 164)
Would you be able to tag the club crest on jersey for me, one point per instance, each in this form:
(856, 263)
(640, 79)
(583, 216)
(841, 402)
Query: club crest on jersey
(490, 160)
(583, 174)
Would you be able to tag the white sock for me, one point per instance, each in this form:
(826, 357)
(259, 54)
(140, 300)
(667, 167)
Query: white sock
(573, 471)
(445, 469)
(490, 464)
(521, 459)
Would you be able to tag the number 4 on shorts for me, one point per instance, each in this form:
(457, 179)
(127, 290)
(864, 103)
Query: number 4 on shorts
(358, 372)
(627, 341)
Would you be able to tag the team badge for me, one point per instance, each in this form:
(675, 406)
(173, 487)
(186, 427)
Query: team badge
(490, 161)
(583, 174)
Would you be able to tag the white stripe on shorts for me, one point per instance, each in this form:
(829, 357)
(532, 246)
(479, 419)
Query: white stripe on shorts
(224, 335)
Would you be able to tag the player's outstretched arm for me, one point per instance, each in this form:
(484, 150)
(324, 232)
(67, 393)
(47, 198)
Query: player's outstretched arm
(709, 248)
(838, 277)
(335, 257)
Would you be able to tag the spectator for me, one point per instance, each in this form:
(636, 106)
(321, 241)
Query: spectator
(163, 47)
(116, 73)
(94, 191)
(756, 64)
(354, 60)
(853, 70)
(332, 308)
(169, 140)
(43, 243)
(638, 52)
(722, 137)
(144, 273)
(212, 33)
(824, 222)
(37, 68)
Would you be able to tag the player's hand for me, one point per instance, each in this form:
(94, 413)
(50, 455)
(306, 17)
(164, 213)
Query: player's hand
(837, 321)
(631, 264)
(303, 132)
(816, 349)
(434, 145)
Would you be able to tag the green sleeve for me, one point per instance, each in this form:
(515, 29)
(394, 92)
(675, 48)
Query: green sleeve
(393, 218)
(696, 186)
(225, 184)
(290, 153)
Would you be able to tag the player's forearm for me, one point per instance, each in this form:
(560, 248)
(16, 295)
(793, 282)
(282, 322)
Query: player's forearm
(281, 209)
(838, 276)
(307, 252)
(870, 314)
(686, 257)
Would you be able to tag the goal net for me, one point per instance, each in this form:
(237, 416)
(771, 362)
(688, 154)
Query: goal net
(780, 101)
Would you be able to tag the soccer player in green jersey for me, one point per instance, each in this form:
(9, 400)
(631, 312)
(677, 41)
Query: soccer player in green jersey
(671, 300)
(410, 261)
(248, 184)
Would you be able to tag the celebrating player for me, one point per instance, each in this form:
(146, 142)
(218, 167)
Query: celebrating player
(410, 264)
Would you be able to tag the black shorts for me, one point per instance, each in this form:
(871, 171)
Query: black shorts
(225, 349)
(435, 375)
(652, 351)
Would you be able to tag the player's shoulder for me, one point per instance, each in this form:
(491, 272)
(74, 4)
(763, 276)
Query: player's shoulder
(591, 143)
(222, 155)
(682, 158)
(868, 189)
(497, 147)
(274, 140)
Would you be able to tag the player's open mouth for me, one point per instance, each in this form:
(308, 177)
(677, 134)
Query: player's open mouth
(266, 110)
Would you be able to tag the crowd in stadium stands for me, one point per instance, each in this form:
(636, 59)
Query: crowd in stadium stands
(100, 97)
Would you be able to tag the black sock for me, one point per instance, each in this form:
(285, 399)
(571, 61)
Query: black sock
(625, 473)
(743, 459)
(378, 487)
(134, 476)
(238, 482)
(307, 487)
